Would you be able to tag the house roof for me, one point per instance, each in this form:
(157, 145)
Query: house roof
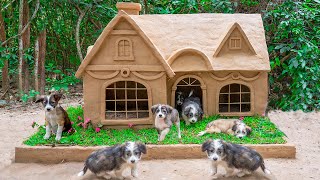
(170, 34)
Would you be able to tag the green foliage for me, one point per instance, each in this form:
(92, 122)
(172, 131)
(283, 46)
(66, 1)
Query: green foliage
(292, 34)
(263, 132)
(293, 29)
(31, 95)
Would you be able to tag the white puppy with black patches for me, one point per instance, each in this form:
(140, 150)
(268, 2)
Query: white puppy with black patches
(56, 118)
(191, 109)
(165, 116)
(229, 126)
(236, 159)
(115, 159)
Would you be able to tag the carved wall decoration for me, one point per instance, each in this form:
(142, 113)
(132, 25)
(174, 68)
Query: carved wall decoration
(100, 76)
(235, 76)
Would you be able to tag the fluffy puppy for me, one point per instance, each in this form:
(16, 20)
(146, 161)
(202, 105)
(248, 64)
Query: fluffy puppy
(233, 157)
(56, 118)
(229, 126)
(165, 116)
(191, 109)
(116, 158)
(179, 101)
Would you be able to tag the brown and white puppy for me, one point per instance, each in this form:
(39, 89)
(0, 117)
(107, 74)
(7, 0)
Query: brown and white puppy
(56, 118)
(233, 157)
(229, 126)
(165, 116)
(116, 158)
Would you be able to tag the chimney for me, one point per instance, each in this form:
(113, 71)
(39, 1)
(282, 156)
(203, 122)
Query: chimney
(129, 7)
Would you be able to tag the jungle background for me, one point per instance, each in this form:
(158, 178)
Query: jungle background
(44, 41)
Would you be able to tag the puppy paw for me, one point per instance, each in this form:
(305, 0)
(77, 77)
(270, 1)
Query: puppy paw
(58, 138)
(46, 137)
(241, 174)
(135, 174)
(201, 133)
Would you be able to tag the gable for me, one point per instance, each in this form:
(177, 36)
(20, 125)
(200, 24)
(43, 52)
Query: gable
(234, 42)
(104, 49)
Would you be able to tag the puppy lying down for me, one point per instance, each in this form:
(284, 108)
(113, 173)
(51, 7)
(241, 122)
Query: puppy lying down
(229, 126)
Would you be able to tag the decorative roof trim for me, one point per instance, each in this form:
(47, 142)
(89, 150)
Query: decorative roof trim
(177, 53)
(224, 38)
(108, 30)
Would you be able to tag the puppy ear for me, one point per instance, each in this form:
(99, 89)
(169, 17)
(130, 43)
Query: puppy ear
(57, 97)
(234, 127)
(186, 111)
(154, 107)
(142, 148)
(169, 108)
(249, 130)
(39, 99)
(205, 146)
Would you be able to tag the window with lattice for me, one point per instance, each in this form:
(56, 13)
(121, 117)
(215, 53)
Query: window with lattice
(235, 43)
(124, 50)
(234, 98)
(126, 100)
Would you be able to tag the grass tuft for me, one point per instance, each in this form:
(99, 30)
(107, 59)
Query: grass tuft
(263, 132)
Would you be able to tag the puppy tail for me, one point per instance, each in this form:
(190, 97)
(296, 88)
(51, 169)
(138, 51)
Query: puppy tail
(264, 169)
(191, 92)
(85, 168)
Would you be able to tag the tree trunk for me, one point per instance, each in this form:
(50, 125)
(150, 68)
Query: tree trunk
(24, 42)
(78, 34)
(39, 69)
(5, 77)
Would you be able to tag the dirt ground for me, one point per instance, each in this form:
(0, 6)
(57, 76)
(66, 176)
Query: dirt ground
(301, 128)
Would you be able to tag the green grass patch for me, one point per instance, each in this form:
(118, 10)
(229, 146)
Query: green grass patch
(263, 132)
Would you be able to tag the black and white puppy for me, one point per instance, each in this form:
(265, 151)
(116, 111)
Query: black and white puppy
(233, 157)
(165, 116)
(115, 159)
(56, 118)
(179, 100)
(191, 109)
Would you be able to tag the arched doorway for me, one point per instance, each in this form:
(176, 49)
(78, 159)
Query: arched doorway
(184, 85)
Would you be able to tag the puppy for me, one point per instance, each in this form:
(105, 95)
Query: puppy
(233, 157)
(165, 116)
(229, 126)
(191, 109)
(179, 100)
(116, 158)
(56, 118)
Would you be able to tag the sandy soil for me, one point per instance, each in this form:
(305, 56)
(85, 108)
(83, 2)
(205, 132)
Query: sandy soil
(301, 128)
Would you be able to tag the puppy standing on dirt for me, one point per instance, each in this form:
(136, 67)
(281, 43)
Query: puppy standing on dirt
(56, 118)
(116, 158)
(228, 126)
(191, 109)
(233, 157)
(165, 116)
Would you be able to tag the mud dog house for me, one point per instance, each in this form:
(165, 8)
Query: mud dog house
(141, 60)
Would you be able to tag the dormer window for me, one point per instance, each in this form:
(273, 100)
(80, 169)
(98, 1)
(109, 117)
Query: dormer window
(124, 49)
(235, 43)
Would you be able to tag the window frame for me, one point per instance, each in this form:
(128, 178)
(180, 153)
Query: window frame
(234, 39)
(130, 49)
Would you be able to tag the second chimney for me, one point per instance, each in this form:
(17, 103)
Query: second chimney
(129, 8)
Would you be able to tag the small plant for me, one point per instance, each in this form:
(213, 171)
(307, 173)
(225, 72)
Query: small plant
(32, 94)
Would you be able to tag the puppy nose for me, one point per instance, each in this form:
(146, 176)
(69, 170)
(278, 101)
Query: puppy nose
(240, 137)
(215, 159)
(133, 161)
(193, 121)
(160, 115)
(48, 109)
